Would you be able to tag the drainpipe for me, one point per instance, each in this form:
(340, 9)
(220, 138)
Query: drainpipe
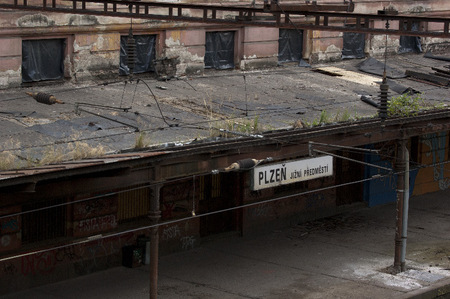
(400, 169)
(154, 215)
(405, 211)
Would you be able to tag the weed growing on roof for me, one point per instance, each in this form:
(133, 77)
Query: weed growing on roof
(10, 155)
(405, 105)
(410, 105)
(8, 161)
(246, 126)
(344, 116)
(73, 151)
(82, 150)
(52, 154)
(326, 118)
(142, 141)
(243, 126)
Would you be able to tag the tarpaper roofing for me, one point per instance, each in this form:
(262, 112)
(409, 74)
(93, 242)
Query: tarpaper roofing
(107, 118)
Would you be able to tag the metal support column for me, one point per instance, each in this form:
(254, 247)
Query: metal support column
(405, 212)
(155, 215)
(400, 167)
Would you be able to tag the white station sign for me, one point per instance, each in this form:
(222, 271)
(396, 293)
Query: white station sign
(291, 172)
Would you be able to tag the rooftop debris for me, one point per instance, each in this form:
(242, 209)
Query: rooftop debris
(428, 77)
(44, 98)
(431, 56)
(375, 67)
(441, 72)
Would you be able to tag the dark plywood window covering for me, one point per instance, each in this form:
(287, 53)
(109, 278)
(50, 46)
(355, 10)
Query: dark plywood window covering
(353, 46)
(290, 45)
(219, 50)
(43, 59)
(145, 54)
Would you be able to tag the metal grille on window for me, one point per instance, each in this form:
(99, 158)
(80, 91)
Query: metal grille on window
(133, 204)
(43, 224)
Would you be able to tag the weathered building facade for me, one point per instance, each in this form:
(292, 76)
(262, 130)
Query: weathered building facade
(91, 47)
(71, 219)
(75, 218)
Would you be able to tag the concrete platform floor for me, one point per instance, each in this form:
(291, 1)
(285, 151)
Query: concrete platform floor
(346, 256)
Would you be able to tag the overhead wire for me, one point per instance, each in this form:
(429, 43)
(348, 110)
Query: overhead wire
(156, 100)
(158, 183)
(282, 139)
(187, 125)
(278, 139)
(192, 216)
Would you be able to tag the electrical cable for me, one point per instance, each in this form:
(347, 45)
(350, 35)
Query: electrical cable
(101, 237)
(191, 217)
(270, 112)
(123, 93)
(154, 97)
(142, 130)
(344, 147)
(155, 184)
(276, 139)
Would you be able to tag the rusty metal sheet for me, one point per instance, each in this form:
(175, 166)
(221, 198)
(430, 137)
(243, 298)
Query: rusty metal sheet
(4, 175)
(208, 14)
(428, 77)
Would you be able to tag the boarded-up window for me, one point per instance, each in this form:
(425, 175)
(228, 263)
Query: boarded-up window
(145, 54)
(354, 44)
(42, 59)
(290, 45)
(219, 50)
(41, 223)
(410, 44)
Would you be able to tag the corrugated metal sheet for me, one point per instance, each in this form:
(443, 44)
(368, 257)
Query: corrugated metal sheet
(133, 204)
(9, 174)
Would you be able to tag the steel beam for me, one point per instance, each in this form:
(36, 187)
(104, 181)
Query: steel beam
(305, 17)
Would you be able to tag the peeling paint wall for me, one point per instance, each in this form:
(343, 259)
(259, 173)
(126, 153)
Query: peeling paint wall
(95, 55)
(93, 42)
(259, 48)
(189, 47)
(10, 61)
(433, 149)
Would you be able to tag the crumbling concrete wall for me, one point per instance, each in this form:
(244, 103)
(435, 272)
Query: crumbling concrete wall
(95, 55)
(259, 48)
(189, 47)
(10, 61)
(93, 42)
(326, 46)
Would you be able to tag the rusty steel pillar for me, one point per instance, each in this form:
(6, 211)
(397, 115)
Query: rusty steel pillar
(400, 167)
(154, 215)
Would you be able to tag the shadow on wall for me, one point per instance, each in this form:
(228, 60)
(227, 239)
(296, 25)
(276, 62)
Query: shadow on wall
(432, 150)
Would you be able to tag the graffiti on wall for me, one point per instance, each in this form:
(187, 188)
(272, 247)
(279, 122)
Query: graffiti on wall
(85, 258)
(10, 230)
(94, 216)
(437, 146)
(171, 232)
(9, 225)
(187, 242)
(178, 236)
(91, 208)
(94, 225)
(39, 263)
